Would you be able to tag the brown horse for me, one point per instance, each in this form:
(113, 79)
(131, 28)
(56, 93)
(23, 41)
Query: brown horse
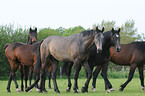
(133, 55)
(20, 54)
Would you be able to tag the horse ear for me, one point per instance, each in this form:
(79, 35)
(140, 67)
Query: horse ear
(97, 29)
(103, 29)
(112, 29)
(36, 29)
(30, 30)
(119, 30)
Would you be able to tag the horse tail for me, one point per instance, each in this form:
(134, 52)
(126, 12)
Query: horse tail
(38, 59)
(5, 46)
(64, 68)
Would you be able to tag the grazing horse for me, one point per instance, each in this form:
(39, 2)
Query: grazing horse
(111, 38)
(74, 48)
(20, 54)
(133, 55)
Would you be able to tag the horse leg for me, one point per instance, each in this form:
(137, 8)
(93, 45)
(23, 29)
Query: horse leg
(104, 75)
(44, 79)
(22, 75)
(131, 73)
(49, 80)
(88, 70)
(68, 76)
(9, 82)
(26, 70)
(54, 69)
(30, 76)
(95, 75)
(77, 68)
(14, 67)
(35, 83)
(141, 75)
(49, 77)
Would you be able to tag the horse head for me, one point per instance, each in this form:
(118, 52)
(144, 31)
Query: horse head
(99, 39)
(32, 36)
(115, 39)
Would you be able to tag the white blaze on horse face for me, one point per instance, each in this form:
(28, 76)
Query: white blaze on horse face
(99, 41)
(117, 35)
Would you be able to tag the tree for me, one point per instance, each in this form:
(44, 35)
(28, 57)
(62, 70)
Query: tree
(129, 33)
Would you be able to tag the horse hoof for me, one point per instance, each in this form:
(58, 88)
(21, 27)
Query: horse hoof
(108, 91)
(27, 89)
(84, 90)
(93, 89)
(19, 90)
(67, 89)
(78, 90)
(120, 89)
(57, 91)
(111, 89)
(8, 91)
(142, 88)
(38, 90)
(45, 90)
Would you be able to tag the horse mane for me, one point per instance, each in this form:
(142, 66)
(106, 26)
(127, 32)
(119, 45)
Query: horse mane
(140, 45)
(5, 46)
(88, 33)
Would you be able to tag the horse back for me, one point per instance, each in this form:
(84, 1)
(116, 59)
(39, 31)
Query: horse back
(130, 53)
(62, 48)
(20, 52)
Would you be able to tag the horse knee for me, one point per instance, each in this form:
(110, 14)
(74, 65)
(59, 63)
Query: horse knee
(89, 74)
(75, 76)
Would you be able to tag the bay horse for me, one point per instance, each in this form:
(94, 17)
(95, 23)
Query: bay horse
(20, 54)
(74, 48)
(32, 38)
(111, 38)
(133, 55)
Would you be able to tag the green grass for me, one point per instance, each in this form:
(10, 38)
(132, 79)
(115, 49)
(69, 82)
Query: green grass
(132, 89)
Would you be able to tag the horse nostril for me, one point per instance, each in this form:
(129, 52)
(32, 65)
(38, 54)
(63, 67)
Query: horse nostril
(118, 49)
(99, 51)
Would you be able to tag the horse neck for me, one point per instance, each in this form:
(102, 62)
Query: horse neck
(107, 41)
(89, 42)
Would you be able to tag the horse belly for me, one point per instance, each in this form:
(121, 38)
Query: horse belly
(61, 55)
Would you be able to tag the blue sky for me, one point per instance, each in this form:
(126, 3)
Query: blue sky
(70, 13)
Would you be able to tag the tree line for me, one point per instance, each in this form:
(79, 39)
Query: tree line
(8, 34)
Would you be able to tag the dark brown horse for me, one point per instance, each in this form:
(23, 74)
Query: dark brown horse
(133, 55)
(74, 48)
(20, 54)
(32, 38)
(111, 38)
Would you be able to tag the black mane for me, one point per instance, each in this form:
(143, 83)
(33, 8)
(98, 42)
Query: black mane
(88, 33)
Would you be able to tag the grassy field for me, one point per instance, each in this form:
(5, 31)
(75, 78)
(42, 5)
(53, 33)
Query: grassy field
(133, 89)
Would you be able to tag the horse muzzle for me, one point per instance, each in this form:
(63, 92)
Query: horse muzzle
(118, 49)
(99, 51)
